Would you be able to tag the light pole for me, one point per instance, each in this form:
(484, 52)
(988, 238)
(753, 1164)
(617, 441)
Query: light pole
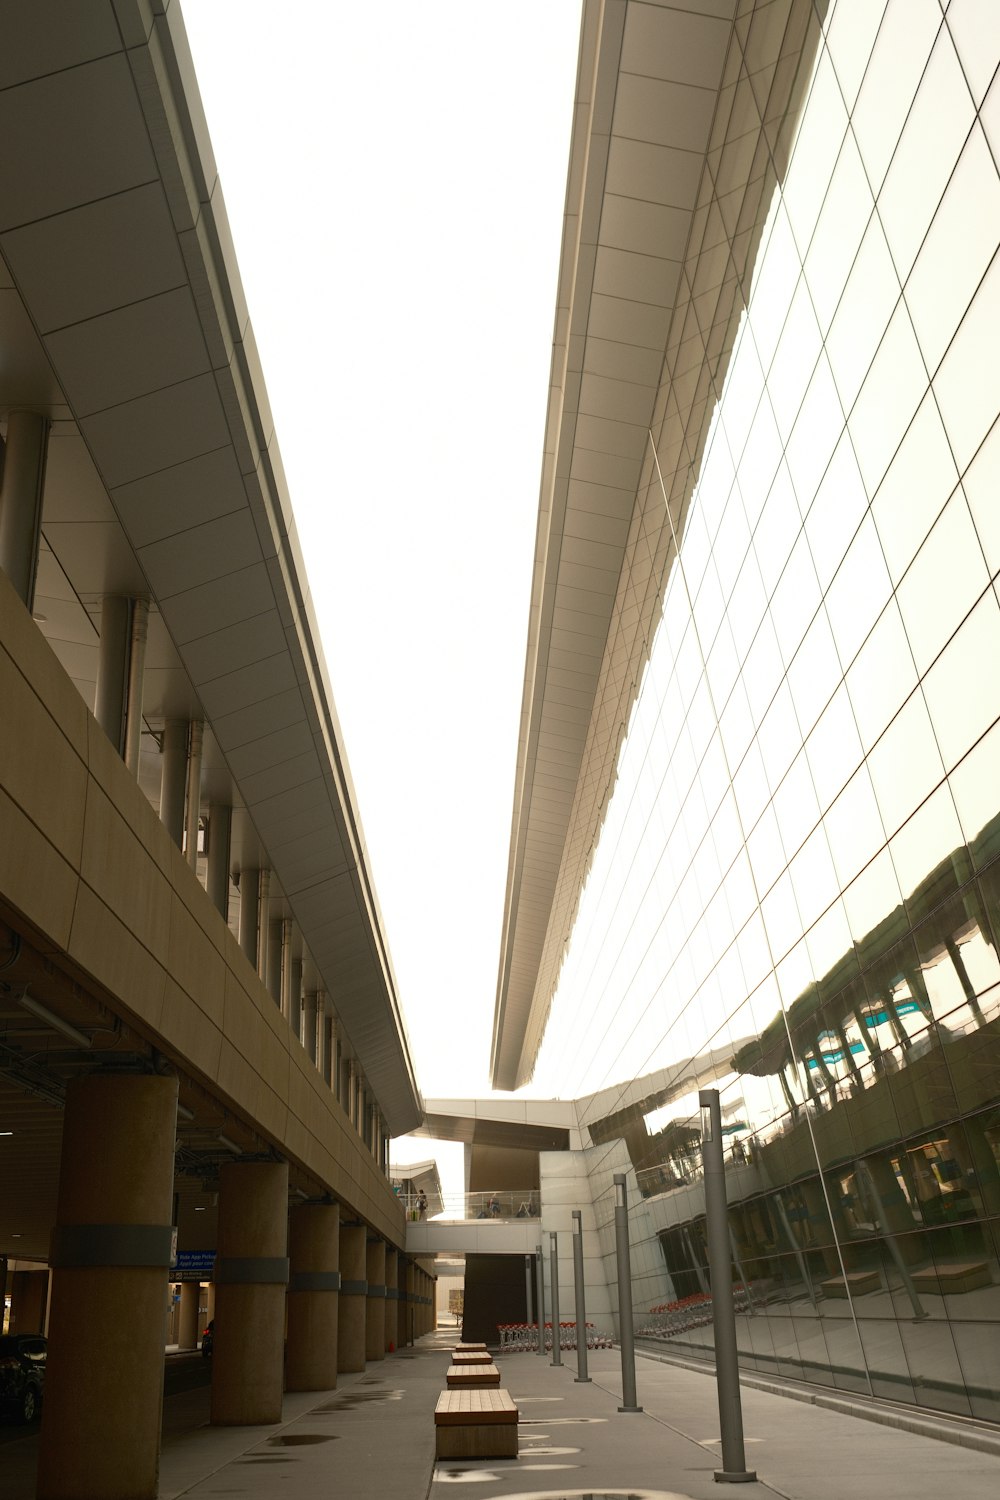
(540, 1274)
(554, 1270)
(581, 1311)
(623, 1257)
(720, 1268)
(528, 1289)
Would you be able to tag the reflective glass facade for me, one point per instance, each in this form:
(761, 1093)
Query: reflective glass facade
(796, 894)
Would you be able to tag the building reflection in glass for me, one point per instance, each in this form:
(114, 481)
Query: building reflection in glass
(797, 885)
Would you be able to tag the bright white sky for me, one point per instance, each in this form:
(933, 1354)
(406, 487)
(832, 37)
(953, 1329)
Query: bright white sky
(395, 176)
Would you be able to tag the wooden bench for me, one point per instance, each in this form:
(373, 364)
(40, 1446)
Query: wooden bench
(466, 1377)
(471, 1357)
(858, 1282)
(475, 1424)
(966, 1276)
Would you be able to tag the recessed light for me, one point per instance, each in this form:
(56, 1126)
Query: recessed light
(200, 1210)
(6, 1132)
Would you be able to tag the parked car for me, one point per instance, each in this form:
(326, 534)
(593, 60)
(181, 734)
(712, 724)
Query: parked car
(207, 1335)
(22, 1374)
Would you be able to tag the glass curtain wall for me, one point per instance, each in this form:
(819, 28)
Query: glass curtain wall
(796, 894)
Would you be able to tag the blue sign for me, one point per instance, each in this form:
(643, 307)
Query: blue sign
(195, 1265)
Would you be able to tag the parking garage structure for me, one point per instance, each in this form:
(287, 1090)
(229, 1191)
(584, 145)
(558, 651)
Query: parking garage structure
(201, 1038)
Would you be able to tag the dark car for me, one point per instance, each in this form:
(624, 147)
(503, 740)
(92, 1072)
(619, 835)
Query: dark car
(207, 1339)
(22, 1374)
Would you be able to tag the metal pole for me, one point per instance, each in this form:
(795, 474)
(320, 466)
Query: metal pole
(528, 1291)
(720, 1267)
(540, 1276)
(627, 1338)
(554, 1268)
(581, 1311)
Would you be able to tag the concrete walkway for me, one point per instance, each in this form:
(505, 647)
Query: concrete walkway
(374, 1437)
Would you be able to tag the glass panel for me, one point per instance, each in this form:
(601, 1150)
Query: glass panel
(975, 30)
(836, 513)
(834, 748)
(814, 673)
(968, 383)
(854, 827)
(958, 248)
(932, 139)
(981, 485)
(846, 212)
(882, 676)
(891, 80)
(794, 360)
(850, 39)
(953, 687)
(893, 389)
(818, 428)
(859, 592)
(947, 575)
(912, 495)
(774, 286)
(975, 785)
(816, 146)
(905, 765)
(870, 295)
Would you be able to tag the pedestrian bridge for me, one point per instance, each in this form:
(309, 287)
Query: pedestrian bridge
(502, 1223)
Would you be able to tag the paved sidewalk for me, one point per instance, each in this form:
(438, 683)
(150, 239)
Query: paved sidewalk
(373, 1439)
(574, 1442)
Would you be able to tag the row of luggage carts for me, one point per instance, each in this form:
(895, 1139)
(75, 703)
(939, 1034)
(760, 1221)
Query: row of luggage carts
(669, 1319)
(522, 1338)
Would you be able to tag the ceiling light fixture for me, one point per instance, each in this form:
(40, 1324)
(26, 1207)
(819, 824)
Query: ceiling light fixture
(184, 1112)
(224, 1140)
(57, 1023)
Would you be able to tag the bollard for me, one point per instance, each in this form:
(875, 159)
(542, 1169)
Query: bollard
(623, 1257)
(720, 1267)
(554, 1271)
(581, 1312)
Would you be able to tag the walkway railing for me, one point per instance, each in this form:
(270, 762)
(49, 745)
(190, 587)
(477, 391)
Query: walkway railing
(508, 1203)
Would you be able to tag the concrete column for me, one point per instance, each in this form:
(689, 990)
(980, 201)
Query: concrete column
(375, 1310)
(195, 739)
(187, 1329)
(313, 1297)
(264, 924)
(391, 1297)
(353, 1299)
(173, 777)
(109, 1254)
(309, 1023)
(220, 828)
(249, 912)
(251, 1276)
(410, 1304)
(112, 669)
(138, 630)
(295, 997)
(325, 1063)
(21, 500)
(275, 958)
(28, 1296)
(210, 1308)
(285, 1000)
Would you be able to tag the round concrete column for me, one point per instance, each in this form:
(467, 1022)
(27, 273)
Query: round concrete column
(391, 1297)
(353, 1298)
(375, 1309)
(187, 1327)
(109, 1254)
(313, 1297)
(251, 1275)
